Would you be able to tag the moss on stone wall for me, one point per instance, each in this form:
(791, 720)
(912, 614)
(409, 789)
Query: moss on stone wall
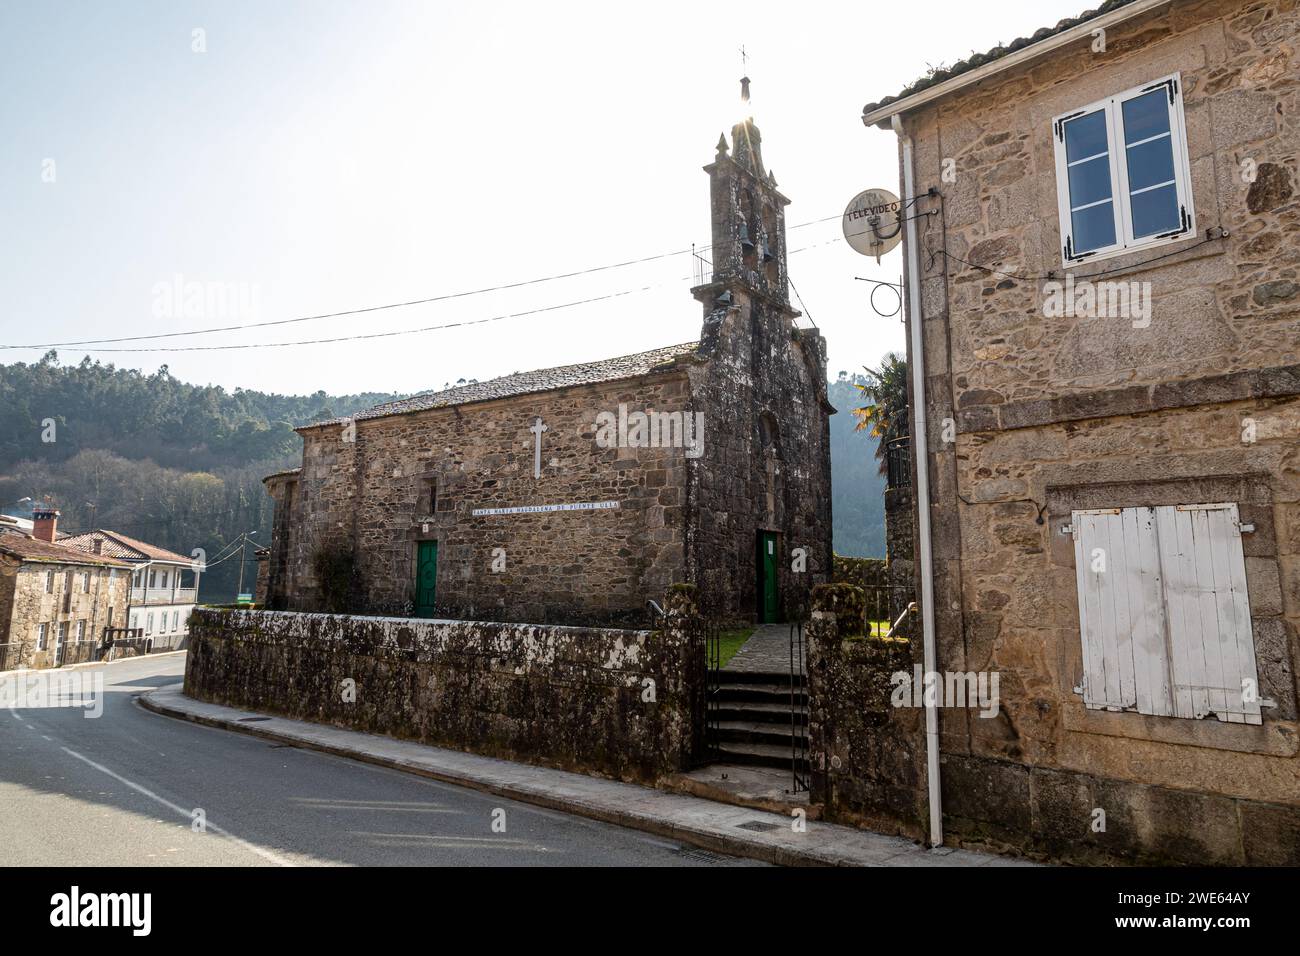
(626, 704)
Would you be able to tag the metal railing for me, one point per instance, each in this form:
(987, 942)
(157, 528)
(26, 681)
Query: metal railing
(76, 652)
(11, 656)
(799, 765)
(163, 595)
(703, 269)
(898, 463)
(887, 607)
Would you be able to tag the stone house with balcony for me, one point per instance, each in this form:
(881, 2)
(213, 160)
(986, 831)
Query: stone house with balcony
(55, 601)
(1107, 253)
(164, 584)
(578, 494)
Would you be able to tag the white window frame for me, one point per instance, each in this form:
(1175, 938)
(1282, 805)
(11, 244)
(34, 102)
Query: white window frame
(81, 630)
(42, 636)
(1120, 199)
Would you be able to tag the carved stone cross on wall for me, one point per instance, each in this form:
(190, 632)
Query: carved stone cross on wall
(537, 430)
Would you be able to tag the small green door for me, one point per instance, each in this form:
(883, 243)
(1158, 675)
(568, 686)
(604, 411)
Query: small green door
(426, 578)
(768, 610)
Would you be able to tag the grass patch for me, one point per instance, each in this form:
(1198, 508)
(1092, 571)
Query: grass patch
(731, 641)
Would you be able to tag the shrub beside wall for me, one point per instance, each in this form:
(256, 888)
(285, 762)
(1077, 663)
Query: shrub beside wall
(614, 702)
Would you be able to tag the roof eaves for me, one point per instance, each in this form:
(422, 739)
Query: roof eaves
(1004, 57)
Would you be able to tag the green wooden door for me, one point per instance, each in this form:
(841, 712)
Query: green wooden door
(426, 578)
(768, 610)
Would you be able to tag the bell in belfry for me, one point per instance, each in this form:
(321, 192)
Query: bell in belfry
(745, 242)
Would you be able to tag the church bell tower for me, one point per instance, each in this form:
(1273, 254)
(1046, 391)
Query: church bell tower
(748, 252)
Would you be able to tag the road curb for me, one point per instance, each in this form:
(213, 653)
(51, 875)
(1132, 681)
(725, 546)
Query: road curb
(692, 820)
(85, 664)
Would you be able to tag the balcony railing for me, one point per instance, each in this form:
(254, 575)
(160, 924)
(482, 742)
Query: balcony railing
(898, 463)
(141, 596)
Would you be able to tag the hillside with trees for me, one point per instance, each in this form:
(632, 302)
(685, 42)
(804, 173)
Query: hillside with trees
(174, 464)
(857, 483)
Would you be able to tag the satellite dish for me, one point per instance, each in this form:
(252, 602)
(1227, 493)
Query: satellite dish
(871, 222)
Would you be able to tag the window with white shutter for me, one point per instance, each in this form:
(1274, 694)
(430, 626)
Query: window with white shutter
(1164, 615)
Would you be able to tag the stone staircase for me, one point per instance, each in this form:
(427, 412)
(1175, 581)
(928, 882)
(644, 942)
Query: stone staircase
(754, 720)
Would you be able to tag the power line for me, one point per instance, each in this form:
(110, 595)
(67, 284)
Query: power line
(428, 328)
(378, 335)
(375, 308)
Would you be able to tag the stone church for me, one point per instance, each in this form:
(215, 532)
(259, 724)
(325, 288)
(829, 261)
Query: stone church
(578, 494)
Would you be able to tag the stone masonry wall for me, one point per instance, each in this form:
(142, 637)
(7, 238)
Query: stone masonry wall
(868, 757)
(577, 566)
(1055, 414)
(764, 380)
(621, 703)
(23, 593)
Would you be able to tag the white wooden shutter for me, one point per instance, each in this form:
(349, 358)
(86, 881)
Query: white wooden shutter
(1163, 612)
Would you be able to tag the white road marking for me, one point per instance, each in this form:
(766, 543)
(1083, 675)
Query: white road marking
(265, 854)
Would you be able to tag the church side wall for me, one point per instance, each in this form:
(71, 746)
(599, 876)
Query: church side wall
(419, 477)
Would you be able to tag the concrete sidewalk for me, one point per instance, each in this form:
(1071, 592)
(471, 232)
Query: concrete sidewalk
(754, 834)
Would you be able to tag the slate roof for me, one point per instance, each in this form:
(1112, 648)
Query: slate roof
(524, 383)
(28, 548)
(120, 546)
(979, 59)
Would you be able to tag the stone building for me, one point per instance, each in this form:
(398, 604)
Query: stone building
(578, 494)
(164, 584)
(55, 601)
(1108, 247)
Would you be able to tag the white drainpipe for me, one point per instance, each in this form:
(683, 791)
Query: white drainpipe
(920, 446)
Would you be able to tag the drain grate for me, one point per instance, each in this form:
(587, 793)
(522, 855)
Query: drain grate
(703, 856)
(246, 720)
(760, 826)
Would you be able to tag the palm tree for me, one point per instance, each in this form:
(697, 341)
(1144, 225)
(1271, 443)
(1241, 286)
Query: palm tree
(884, 412)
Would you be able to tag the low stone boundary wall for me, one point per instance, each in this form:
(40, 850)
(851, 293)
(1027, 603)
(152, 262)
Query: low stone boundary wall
(868, 757)
(622, 703)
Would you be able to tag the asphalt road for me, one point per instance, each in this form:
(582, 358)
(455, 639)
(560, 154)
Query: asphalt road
(123, 790)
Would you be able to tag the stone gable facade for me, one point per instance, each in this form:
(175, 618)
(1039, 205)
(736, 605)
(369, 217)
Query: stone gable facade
(29, 599)
(745, 450)
(1058, 414)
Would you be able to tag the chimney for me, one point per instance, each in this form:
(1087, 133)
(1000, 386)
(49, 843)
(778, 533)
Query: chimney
(99, 545)
(44, 522)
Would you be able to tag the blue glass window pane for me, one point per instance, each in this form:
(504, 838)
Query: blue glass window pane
(1094, 227)
(1090, 181)
(1085, 136)
(1151, 163)
(1155, 211)
(1146, 115)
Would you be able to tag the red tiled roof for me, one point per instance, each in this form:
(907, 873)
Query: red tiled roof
(120, 546)
(27, 548)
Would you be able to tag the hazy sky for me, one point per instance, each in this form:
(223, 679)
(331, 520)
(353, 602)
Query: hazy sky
(323, 156)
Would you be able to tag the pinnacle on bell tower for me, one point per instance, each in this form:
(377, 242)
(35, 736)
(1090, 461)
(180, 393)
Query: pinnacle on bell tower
(748, 253)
